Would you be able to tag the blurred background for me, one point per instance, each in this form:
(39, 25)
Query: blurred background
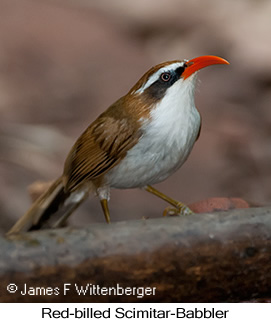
(63, 62)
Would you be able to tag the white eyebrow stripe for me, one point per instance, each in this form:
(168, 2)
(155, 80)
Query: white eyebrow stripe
(157, 74)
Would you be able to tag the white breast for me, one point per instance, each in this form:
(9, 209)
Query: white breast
(168, 137)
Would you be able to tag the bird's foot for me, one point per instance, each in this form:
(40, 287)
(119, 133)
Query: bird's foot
(179, 209)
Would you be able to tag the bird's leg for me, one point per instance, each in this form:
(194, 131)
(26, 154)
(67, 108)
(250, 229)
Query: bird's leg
(179, 207)
(104, 205)
(103, 193)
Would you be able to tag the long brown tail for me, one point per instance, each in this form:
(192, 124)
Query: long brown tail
(50, 210)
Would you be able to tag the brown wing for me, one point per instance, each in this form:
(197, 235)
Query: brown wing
(103, 145)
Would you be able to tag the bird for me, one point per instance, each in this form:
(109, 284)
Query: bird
(140, 140)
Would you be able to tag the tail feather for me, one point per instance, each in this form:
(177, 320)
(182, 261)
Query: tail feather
(50, 210)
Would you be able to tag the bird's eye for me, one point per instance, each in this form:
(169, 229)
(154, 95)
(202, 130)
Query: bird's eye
(165, 77)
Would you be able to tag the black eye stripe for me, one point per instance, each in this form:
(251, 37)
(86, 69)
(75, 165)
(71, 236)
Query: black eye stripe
(168, 76)
(180, 70)
(157, 89)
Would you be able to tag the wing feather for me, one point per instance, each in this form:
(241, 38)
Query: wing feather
(103, 145)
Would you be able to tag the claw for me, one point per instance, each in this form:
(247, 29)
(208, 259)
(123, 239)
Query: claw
(180, 210)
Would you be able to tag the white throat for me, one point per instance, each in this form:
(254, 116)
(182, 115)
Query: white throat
(175, 117)
(168, 137)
